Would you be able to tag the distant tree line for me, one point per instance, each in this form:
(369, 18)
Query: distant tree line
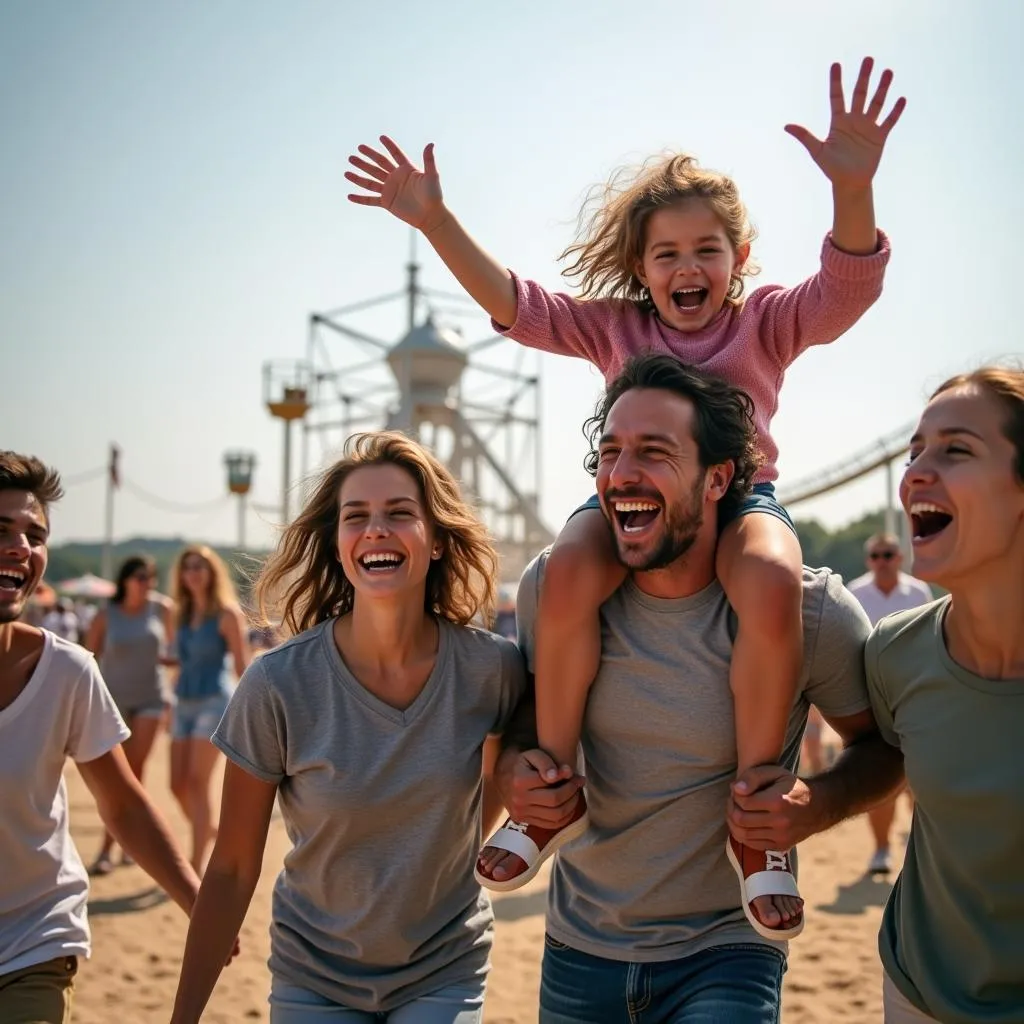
(841, 550)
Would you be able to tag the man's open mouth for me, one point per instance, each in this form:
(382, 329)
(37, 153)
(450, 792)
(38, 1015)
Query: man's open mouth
(689, 300)
(928, 520)
(12, 581)
(381, 562)
(634, 515)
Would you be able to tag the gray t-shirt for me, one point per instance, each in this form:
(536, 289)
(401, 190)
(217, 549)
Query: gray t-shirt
(649, 880)
(131, 656)
(952, 936)
(376, 904)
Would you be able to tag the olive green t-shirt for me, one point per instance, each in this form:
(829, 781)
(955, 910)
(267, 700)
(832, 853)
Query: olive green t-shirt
(952, 937)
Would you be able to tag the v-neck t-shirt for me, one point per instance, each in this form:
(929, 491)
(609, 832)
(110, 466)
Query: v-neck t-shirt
(376, 904)
(64, 711)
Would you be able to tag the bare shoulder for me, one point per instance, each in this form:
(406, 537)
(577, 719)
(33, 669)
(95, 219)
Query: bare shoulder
(232, 617)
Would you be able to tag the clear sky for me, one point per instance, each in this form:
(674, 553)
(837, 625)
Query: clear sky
(172, 205)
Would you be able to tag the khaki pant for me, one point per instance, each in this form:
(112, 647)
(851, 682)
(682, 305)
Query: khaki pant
(898, 1009)
(40, 994)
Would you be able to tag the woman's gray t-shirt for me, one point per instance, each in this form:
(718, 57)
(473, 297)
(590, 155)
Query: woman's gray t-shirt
(131, 656)
(376, 904)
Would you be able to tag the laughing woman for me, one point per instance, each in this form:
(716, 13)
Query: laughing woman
(369, 726)
(947, 684)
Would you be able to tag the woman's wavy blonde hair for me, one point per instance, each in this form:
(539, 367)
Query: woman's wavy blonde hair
(303, 583)
(220, 595)
(612, 225)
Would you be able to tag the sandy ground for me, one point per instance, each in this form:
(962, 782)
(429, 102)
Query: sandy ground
(138, 935)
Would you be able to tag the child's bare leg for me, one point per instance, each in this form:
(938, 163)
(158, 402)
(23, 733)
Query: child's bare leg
(581, 573)
(759, 564)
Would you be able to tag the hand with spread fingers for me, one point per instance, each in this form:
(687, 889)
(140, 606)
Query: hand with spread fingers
(849, 155)
(394, 183)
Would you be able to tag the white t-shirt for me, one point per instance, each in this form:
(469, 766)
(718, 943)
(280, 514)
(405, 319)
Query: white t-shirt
(64, 711)
(908, 593)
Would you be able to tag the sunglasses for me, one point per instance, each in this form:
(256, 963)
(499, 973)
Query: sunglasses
(885, 556)
(146, 576)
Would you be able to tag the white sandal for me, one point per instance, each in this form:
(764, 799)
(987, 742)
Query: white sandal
(532, 844)
(764, 873)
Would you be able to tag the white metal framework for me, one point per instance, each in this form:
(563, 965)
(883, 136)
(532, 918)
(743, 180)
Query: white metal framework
(482, 418)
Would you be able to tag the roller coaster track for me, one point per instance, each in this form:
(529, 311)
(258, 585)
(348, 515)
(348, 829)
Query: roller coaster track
(876, 455)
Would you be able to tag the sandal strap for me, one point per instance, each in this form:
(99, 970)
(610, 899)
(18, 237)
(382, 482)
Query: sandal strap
(512, 840)
(770, 883)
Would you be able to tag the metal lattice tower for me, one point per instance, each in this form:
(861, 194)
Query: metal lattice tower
(880, 454)
(482, 419)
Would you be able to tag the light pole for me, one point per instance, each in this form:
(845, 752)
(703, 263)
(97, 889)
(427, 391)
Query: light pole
(286, 396)
(240, 466)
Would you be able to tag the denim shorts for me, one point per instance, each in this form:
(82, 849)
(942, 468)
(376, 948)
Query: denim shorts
(197, 718)
(151, 709)
(761, 499)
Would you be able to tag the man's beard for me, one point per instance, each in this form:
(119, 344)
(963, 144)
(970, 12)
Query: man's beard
(682, 525)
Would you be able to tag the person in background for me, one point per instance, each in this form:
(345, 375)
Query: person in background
(86, 612)
(947, 685)
(129, 638)
(62, 621)
(210, 626)
(882, 590)
(505, 617)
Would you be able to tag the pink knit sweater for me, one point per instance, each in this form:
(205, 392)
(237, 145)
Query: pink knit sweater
(749, 345)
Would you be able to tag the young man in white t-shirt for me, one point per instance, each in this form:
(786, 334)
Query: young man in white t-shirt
(882, 590)
(54, 705)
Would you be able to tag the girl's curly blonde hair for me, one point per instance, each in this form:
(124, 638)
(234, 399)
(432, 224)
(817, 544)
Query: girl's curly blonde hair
(612, 225)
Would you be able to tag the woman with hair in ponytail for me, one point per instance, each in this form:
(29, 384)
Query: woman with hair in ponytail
(370, 727)
(947, 685)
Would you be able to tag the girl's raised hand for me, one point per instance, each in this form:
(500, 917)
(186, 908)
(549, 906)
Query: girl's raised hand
(412, 195)
(850, 154)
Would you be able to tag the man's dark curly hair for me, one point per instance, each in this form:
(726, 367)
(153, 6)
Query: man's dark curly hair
(724, 424)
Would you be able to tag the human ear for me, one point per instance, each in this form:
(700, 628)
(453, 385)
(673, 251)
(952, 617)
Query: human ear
(717, 480)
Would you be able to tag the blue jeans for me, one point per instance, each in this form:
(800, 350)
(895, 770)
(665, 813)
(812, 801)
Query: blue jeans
(735, 984)
(454, 1004)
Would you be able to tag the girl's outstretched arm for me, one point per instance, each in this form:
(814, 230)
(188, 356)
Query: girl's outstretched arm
(414, 196)
(850, 154)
